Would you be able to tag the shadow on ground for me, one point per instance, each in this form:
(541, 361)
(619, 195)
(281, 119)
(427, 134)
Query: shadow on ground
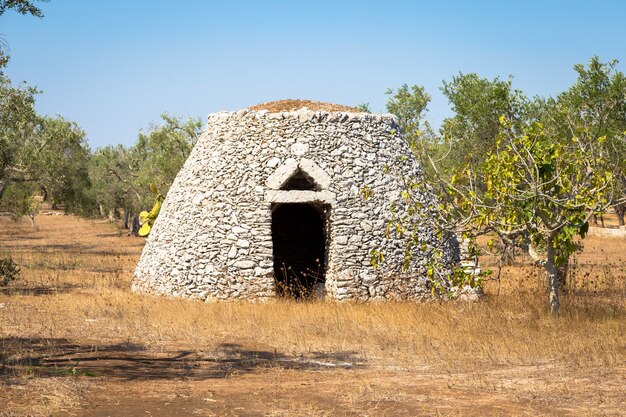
(47, 357)
(38, 290)
(68, 249)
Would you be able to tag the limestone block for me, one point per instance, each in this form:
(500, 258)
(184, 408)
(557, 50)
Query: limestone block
(299, 149)
(244, 264)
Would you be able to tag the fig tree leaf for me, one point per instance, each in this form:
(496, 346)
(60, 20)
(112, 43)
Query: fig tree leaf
(144, 230)
(143, 217)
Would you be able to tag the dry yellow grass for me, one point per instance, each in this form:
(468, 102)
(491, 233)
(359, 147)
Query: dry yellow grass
(73, 316)
(600, 269)
(511, 330)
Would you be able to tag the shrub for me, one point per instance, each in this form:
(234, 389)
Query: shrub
(9, 271)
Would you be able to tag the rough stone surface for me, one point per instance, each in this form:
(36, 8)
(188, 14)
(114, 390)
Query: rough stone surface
(212, 239)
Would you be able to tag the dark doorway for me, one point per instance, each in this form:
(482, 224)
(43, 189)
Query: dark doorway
(299, 239)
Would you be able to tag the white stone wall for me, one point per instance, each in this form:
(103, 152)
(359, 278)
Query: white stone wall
(212, 239)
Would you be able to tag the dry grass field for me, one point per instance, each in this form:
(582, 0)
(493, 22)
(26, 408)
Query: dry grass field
(74, 341)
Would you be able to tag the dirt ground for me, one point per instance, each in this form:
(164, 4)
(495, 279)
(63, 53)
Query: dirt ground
(75, 342)
(121, 381)
(321, 392)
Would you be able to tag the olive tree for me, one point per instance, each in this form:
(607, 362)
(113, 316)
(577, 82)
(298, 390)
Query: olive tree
(409, 104)
(56, 157)
(595, 106)
(477, 104)
(122, 178)
(18, 120)
(49, 154)
(20, 200)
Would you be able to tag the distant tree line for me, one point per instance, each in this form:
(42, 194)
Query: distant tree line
(47, 161)
(121, 177)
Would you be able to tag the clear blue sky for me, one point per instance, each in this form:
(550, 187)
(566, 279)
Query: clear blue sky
(114, 66)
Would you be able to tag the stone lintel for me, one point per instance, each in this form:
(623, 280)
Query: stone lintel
(297, 196)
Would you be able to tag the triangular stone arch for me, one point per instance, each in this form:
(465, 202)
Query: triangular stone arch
(301, 181)
(298, 175)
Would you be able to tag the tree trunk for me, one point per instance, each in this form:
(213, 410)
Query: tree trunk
(594, 220)
(553, 277)
(508, 255)
(3, 186)
(134, 225)
(562, 274)
(620, 211)
(126, 222)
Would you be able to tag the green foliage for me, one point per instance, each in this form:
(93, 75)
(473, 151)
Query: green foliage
(9, 271)
(461, 278)
(430, 237)
(123, 177)
(364, 107)
(408, 104)
(20, 200)
(49, 153)
(109, 174)
(161, 152)
(18, 120)
(544, 187)
(57, 157)
(539, 193)
(21, 6)
(410, 220)
(595, 107)
(530, 172)
(478, 104)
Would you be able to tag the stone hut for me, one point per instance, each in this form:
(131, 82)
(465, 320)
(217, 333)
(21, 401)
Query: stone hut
(287, 198)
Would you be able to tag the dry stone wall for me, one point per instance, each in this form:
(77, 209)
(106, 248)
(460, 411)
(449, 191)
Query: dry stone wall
(213, 240)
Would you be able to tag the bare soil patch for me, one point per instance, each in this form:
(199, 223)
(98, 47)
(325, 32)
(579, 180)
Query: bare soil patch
(74, 341)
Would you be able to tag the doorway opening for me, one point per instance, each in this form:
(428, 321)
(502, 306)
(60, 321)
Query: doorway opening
(299, 235)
